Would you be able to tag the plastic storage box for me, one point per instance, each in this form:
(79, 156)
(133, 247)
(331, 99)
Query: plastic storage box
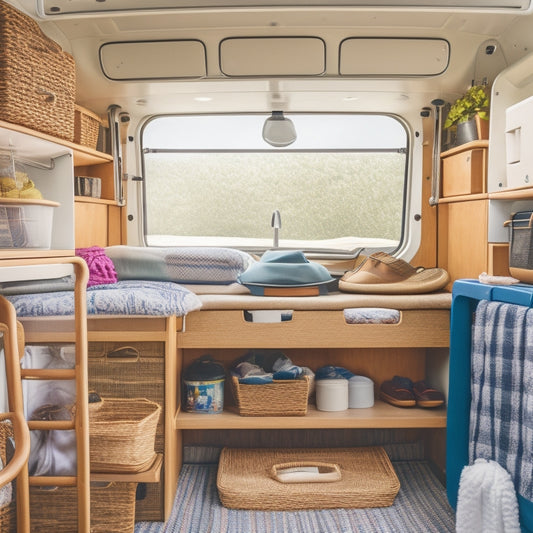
(466, 295)
(26, 223)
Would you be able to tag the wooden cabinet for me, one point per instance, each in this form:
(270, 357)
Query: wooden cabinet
(416, 347)
(52, 164)
(464, 249)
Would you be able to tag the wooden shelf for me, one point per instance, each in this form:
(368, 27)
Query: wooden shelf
(32, 253)
(381, 415)
(83, 155)
(525, 193)
(463, 198)
(466, 146)
(150, 475)
(90, 200)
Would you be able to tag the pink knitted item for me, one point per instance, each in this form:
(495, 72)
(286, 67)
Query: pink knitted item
(101, 268)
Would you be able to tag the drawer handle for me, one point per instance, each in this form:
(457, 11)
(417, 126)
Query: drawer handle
(263, 316)
(124, 353)
(306, 472)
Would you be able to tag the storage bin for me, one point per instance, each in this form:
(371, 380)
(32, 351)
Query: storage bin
(134, 370)
(26, 223)
(464, 172)
(204, 386)
(360, 392)
(331, 394)
(112, 508)
(86, 127)
(521, 246)
(37, 79)
(122, 434)
(279, 398)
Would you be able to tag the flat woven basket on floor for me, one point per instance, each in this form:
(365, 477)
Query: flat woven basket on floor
(367, 479)
(37, 79)
(280, 398)
(122, 434)
(112, 508)
(7, 511)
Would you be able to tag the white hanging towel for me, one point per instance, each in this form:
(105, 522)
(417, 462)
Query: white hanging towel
(487, 500)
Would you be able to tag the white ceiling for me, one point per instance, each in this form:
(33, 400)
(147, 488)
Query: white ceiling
(468, 33)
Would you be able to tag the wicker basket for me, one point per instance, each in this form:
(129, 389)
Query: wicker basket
(86, 127)
(7, 512)
(367, 479)
(37, 79)
(122, 434)
(112, 508)
(280, 398)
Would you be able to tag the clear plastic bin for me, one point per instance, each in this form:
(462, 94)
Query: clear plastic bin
(26, 223)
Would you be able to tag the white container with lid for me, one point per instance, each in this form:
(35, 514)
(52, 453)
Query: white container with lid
(331, 394)
(360, 392)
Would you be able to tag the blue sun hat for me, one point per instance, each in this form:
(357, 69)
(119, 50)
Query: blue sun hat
(286, 273)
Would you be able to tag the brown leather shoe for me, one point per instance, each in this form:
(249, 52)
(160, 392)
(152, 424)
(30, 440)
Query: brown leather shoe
(398, 391)
(427, 396)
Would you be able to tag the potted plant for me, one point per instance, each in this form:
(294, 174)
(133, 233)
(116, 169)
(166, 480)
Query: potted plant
(470, 115)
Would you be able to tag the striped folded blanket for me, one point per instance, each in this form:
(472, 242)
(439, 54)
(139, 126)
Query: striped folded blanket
(501, 412)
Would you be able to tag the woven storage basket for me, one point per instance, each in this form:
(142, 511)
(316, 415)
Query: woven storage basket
(37, 79)
(8, 522)
(280, 398)
(244, 479)
(122, 434)
(112, 508)
(135, 370)
(86, 127)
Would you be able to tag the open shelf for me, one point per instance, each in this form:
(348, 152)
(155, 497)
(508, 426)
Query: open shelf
(150, 475)
(381, 415)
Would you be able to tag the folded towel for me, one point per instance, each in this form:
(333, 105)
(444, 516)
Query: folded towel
(487, 500)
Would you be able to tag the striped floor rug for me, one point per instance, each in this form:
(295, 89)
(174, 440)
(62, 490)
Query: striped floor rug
(421, 506)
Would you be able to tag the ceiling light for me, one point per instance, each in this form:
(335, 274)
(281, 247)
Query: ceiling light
(278, 130)
(202, 98)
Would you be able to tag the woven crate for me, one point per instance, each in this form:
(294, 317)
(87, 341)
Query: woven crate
(135, 370)
(8, 511)
(280, 398)
(245, 481)
(86, 127)
(37, 79)
(112, 508)
(122, 434)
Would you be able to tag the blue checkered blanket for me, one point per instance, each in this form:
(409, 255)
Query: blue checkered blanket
(501, 412)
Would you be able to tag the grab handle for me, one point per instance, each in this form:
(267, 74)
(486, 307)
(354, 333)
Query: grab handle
(306, 472)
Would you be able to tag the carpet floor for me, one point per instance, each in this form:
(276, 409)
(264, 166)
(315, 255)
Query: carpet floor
(421, 506)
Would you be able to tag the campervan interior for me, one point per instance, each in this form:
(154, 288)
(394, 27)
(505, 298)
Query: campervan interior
(239, 239)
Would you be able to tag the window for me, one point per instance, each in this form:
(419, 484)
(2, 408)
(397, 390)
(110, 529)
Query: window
(213, 180)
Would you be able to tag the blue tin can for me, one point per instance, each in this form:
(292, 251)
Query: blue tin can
(204, 386)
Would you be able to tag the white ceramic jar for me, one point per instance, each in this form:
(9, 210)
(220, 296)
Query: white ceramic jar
(331, 394)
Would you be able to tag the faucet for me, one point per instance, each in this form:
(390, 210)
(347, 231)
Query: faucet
(276, 224)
